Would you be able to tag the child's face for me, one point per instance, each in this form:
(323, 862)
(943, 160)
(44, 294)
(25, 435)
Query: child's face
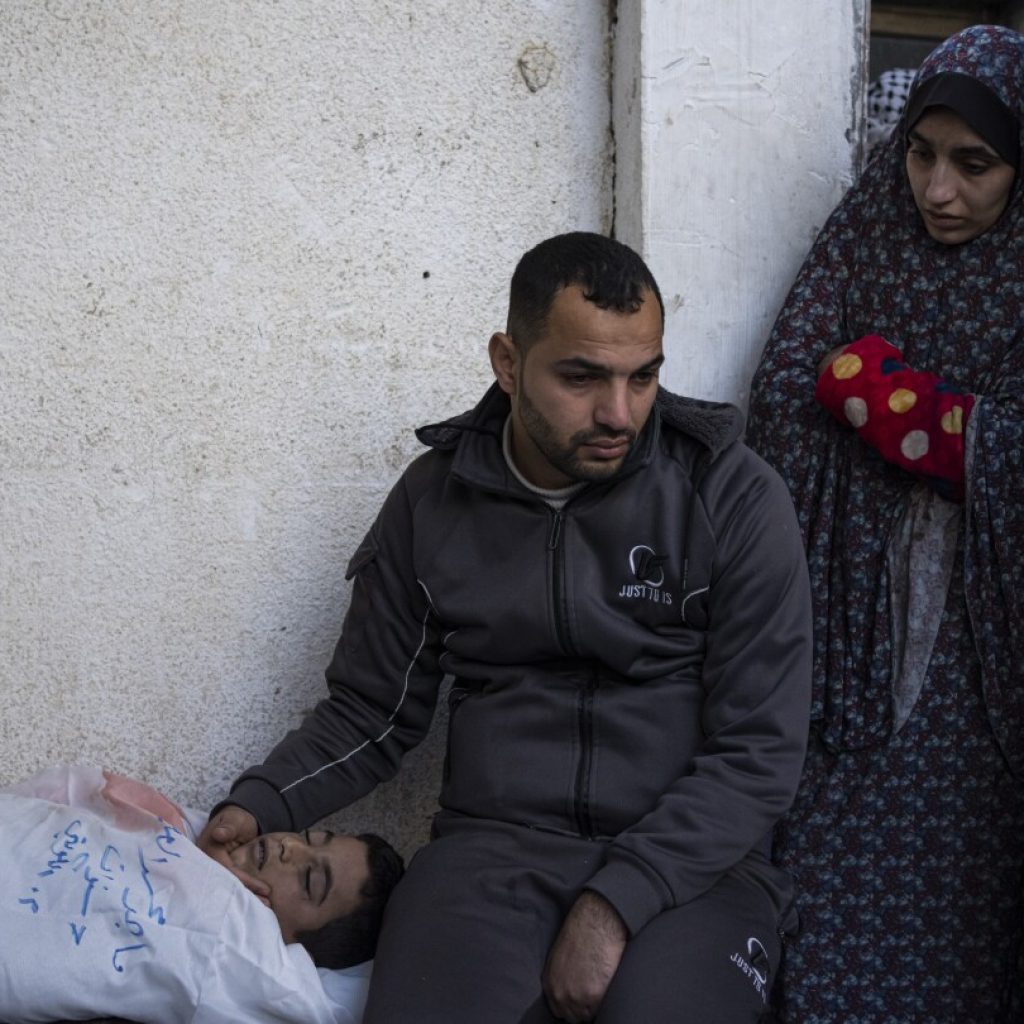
(314, 877)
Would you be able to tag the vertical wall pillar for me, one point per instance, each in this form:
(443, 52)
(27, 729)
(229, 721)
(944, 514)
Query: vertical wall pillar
(734, 140)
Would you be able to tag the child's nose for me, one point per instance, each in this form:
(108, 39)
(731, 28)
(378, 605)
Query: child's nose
(290, 847)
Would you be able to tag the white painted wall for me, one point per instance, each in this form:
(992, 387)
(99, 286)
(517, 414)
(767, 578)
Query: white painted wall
(246, 247)
(743, 118)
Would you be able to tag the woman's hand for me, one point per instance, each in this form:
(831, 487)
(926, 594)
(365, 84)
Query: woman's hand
(830, 358)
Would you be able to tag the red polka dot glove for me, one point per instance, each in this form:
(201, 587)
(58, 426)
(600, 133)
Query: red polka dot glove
(912, 418)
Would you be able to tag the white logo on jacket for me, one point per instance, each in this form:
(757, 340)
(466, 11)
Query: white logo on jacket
(756, 953)
(646, 566)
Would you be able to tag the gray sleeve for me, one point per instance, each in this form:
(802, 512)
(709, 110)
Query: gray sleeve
(382, 682)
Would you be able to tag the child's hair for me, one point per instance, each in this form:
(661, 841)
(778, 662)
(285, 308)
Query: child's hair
(352, 939)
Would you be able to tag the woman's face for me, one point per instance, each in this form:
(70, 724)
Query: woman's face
(960, 184)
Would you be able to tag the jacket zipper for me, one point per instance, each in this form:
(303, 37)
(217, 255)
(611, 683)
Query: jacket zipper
(585, 724)
(558, 580)
(585, 694)
(455, 699)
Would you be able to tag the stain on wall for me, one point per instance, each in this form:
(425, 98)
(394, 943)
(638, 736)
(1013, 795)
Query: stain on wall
(536, 65)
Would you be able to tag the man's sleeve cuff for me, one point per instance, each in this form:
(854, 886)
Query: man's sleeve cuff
(263, 802)
(634, 890)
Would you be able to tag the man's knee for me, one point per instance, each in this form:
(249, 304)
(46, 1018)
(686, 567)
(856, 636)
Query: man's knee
(712, 961)
(464, 940)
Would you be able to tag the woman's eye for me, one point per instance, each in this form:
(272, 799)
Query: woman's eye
(309, 882)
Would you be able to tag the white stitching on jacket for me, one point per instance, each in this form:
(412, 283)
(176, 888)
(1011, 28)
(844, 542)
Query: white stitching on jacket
(692, 593)
(391, 717)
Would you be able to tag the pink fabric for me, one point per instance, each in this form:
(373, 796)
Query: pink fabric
(124, 793)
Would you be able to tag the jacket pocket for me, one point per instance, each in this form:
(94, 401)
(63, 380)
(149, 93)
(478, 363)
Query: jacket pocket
(360, 605)
(364, 555)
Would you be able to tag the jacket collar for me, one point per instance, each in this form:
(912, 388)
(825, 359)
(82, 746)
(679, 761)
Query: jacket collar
(475, 435)
(715, 425)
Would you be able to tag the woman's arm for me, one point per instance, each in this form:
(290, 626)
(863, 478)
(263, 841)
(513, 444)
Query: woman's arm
(912, 418)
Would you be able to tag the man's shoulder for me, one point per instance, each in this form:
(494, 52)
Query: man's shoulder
(716, 430)
(426, 470)
(740, 482)
(486, 417)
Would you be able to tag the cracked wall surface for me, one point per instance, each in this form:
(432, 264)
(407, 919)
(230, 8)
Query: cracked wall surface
(744, 137)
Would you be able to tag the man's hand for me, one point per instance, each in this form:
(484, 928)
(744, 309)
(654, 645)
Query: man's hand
(228, 829)
(584, 958)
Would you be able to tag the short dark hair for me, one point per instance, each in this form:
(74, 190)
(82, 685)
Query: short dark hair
(611, 275)
(351, 939)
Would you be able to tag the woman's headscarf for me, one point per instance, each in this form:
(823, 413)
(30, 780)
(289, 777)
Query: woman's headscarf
(976, 103)
(957, 311)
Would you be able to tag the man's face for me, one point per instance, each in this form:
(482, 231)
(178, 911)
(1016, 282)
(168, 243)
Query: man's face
(314, 877)
(582, 392)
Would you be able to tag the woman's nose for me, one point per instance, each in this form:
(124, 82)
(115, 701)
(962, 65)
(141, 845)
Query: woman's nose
(941, 184)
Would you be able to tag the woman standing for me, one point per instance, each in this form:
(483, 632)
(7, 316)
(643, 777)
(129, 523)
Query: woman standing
(890, 396)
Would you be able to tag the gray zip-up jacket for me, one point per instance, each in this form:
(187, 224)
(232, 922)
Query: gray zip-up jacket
(633, 668)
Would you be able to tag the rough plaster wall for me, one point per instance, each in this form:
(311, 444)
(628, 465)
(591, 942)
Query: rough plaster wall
(750, 119)
(246, 248)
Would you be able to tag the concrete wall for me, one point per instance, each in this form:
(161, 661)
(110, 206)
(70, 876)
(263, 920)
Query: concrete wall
(248, 246)
(743, 137)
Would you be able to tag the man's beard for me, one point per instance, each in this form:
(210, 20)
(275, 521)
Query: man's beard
(565, 458)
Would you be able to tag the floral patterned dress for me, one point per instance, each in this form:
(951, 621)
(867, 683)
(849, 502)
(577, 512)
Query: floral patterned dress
(907, 836)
